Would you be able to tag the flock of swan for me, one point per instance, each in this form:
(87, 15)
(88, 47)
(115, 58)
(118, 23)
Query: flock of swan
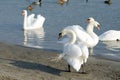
(79, 41)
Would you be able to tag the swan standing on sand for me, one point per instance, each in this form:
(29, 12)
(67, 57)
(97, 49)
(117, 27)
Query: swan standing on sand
(88, 37)
(111, 35)
(75, 54)
(32, 23)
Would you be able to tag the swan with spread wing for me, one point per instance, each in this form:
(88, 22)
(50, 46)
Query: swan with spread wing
(75, 54)
(30, 22)
(88, 37)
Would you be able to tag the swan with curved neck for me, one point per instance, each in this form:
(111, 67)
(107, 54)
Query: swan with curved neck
(93, 38)
(88, 37)
(75, 54)
(32, 23)
(72, 34)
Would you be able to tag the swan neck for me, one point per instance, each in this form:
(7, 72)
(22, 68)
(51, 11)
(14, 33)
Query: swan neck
(73, 36)
(90, 28)
(25, 21)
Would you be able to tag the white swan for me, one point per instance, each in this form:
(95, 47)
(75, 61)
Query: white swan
(75, 54)
(32, 23)
(110, 35)
(88, 37)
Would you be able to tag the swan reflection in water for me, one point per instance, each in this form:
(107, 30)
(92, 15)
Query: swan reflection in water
(112, 45)
(34, 38)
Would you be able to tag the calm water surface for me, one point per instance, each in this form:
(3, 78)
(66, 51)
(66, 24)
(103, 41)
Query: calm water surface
(58, 17)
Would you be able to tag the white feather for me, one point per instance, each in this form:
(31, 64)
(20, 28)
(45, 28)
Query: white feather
(110, 35)
(74, 53)
(30, 22)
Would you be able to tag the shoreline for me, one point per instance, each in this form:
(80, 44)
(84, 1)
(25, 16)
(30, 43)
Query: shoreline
(25, 63)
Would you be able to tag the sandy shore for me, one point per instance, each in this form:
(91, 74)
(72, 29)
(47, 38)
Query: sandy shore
(21, 63)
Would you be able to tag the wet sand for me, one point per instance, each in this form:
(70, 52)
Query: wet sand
(22, 63)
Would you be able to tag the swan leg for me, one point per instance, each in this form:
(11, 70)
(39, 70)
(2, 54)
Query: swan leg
(91, 51)
(83, 69)
(69, 68)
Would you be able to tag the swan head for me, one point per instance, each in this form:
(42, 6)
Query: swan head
(70, 33)
(24, 12)
(90, 19)
(93, 22)
(63, 33)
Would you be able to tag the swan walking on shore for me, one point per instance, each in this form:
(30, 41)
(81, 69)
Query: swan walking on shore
(111, 35)
(74, 53)
(88, 37)
(30, 22)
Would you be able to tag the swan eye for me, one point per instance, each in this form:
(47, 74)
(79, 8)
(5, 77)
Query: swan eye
(99, 26)
(88, 20)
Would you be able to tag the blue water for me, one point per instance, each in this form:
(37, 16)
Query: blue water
(58, 17)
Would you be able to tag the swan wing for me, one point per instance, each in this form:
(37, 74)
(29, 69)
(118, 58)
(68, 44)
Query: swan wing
(81, 34)
(30, 19)
(74, 27)
(72, 54)
(72, 50)
(110, 35)
(39, 21)
(85, 52)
